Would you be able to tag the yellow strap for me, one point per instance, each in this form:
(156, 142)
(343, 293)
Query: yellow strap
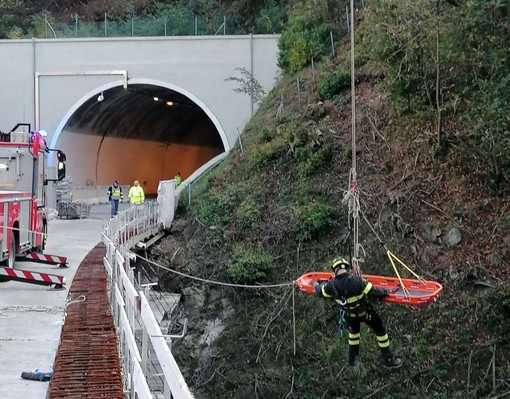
(403, 264)
(406, 292)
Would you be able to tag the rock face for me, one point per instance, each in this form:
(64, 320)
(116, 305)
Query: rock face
(434, 234)
(194, 296)
(431, 233)
(453, 237)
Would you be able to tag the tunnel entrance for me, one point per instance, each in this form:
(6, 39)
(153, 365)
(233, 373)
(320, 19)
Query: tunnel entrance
(144, 132)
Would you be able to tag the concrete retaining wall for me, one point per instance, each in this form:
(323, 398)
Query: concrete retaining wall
(96, 194)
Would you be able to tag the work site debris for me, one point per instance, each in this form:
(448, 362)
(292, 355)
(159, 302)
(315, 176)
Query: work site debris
(73, 210)
(38, 375)
(66, 207)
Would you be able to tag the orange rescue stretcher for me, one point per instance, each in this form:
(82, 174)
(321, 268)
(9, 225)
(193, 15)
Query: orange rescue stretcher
(404, 291)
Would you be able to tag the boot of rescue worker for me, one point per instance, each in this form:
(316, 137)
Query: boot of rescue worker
(353, 354)
(389, 360)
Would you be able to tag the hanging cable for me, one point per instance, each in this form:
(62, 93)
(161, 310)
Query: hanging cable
(392, 257)
(213, 281)
(353, 193)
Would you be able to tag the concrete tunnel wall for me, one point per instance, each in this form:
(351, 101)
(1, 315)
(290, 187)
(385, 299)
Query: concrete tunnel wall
(100, 162)
(35, 89)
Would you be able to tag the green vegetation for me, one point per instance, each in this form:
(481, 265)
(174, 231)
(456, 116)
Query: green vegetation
(449, 60)
(307, 35)
(248, 265)
(331, 84)
(73, 18)
(247, 85)
(311, 219)
(432, 149)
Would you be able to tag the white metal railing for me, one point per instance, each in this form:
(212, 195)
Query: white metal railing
(139, 334)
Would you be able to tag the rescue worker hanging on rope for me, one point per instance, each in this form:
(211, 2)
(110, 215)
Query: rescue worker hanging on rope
(350, 292)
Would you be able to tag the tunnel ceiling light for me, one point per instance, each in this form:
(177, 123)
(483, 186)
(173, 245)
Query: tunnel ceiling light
(169, 103)
(156, 98)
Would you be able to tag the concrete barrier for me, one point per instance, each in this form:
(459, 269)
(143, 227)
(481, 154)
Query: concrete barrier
(95, 194)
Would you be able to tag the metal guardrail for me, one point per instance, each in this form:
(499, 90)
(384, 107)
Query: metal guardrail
(144, 350)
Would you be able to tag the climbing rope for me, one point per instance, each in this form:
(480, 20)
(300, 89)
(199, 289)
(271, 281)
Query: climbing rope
(352, 195)
(70, 300)
(293, 283)
(392, 257)
(341, 321)
(204, 280)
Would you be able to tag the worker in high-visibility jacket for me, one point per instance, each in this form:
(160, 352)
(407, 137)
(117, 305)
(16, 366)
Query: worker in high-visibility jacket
(136, 194)
(114, 196)
(178, 179)
(351, 292)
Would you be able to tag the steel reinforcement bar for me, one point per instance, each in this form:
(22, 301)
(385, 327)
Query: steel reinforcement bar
(87, 360)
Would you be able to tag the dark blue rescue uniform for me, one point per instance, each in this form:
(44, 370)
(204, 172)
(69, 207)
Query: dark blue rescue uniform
(351, 292)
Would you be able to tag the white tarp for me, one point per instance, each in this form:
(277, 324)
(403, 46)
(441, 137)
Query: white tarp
(166, 203)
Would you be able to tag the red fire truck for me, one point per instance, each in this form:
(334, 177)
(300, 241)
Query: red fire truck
(23, 217)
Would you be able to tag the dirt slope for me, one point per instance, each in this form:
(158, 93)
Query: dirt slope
(280, 343)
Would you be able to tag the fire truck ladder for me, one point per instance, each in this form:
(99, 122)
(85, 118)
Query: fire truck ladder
(30, 277)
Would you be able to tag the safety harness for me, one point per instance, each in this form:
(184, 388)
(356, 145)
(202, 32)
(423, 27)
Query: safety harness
(353, 306)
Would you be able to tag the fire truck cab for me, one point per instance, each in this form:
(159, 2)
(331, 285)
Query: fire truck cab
(23, 185)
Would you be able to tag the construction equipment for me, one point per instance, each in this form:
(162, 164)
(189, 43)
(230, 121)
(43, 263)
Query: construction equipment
(23, 217)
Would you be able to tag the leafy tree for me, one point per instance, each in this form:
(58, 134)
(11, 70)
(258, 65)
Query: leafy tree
(13, 17)
(307, 35)
(451, 58)
(272, 18)
(480, 45)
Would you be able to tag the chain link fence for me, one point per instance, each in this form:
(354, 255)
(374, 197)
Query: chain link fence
(189, 25)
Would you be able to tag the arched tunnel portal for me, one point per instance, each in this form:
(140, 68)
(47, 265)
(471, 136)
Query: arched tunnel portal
(147, 132)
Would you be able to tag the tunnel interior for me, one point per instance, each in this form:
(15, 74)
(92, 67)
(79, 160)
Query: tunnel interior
(143, 132)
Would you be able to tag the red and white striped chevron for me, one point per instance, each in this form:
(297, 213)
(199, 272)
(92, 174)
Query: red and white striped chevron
(43, 278)
(47, 258)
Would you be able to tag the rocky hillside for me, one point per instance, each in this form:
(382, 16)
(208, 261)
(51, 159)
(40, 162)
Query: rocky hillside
(274, 211)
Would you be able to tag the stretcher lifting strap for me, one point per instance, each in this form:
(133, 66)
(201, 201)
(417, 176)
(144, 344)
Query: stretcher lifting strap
(391, 256)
